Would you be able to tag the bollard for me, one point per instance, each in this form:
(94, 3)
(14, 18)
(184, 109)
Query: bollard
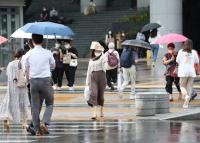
(145, 105)
(162, 103)
(148, 57)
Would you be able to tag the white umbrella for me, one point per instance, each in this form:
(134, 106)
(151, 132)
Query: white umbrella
(21, 34)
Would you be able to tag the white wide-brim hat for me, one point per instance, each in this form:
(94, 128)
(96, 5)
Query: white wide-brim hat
(96, 46)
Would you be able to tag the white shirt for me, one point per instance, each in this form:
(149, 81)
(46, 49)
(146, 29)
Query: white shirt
(186, 63)
(40, 62)
(97, 65)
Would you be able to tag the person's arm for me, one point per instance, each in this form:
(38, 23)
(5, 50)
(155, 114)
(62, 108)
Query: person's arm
(166, 62)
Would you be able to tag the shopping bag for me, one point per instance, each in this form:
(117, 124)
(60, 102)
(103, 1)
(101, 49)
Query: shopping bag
(119, 80)
(87, 93)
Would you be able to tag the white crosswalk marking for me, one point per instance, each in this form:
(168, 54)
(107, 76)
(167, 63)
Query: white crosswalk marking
(57, 130)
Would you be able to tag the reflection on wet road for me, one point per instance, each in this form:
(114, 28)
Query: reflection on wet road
(118, 131)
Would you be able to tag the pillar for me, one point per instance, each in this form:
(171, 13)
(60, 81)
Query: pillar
(167, 13)
(100, 4)
(143, 3)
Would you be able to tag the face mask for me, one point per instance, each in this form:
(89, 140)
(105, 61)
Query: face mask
(67, 46)
(57, 46)
(97, 54)
(170, 51)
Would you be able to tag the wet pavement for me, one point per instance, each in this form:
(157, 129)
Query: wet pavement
(115, 131)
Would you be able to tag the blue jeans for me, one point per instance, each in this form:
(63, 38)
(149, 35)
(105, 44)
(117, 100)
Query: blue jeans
(154, 49)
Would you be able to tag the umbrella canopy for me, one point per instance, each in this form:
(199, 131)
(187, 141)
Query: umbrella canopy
(19, 33)
(3, 40)
(136, 43)
(48, 28)
(150, 26)
(171, 38)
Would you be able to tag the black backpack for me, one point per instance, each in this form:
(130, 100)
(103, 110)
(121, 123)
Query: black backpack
(126, 59)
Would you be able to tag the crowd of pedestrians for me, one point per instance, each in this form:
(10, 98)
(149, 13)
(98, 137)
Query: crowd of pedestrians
(36, 72)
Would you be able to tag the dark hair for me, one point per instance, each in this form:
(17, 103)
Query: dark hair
(19, 53)
(172, 45)
(188, 46)
(68, 41)
(92, 55)
(154, 33)
(37, 39)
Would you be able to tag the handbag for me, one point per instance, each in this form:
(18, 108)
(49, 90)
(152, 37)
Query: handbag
(21, 79)
(87, 93)
(66, 58)
(73, 63)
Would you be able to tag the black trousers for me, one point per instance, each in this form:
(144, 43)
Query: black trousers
(169, 84)
(57, 76)
(111, 76)
(70, 74)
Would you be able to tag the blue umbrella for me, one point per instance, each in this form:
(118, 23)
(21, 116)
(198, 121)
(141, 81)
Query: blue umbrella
(48, 28)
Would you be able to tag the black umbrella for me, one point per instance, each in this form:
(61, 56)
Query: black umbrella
(150, 26)
(136, 43)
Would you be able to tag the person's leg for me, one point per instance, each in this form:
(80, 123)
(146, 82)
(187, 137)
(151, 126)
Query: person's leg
(114, 75)
(108, 77)
(48, 95)
(177, 83)
(71, 76)
(60, 77)
(35, 104)
(55, 77)
(190, 86)
(168, 87)
(183, 85)
(133, 81)
(101, 90)
(156, 49)
(126, 76)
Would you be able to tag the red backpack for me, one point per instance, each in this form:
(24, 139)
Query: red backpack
(112, 59)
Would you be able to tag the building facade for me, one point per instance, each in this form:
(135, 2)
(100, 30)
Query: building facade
(11, 18)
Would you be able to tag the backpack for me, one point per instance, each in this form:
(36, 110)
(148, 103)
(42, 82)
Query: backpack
(21, 79)
(126, 58)
(112, 59)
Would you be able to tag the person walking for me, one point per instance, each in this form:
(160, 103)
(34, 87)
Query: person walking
(186, 60)
(70, 63)
(96, 79)
(112, 65)
(38, 70)
(14, 106)
(57, 73)
(128, 60)
(171, 77)
(154, 47)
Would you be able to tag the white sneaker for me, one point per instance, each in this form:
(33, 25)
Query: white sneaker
(186, 103)
(59, 88)
(71, 88)
(132, 97)
(55, 87)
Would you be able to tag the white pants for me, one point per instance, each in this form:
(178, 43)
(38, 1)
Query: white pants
(129, 75)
